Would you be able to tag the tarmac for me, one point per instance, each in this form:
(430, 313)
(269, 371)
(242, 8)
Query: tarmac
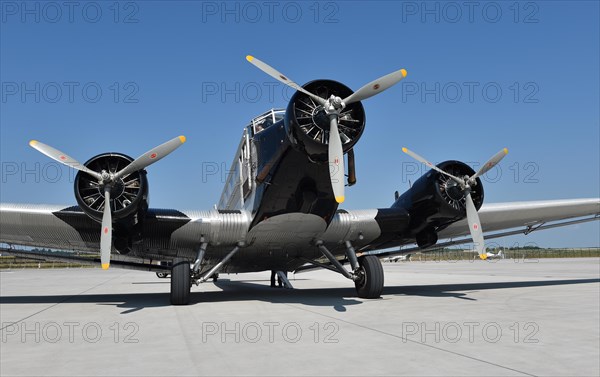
(501, 317)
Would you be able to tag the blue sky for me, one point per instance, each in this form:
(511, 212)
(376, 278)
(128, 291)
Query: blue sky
(92, 77)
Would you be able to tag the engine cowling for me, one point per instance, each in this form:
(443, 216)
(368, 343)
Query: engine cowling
(435, 201)
(307, 125)
(129, 196)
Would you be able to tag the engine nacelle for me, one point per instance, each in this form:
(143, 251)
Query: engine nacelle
(435, 201)
(128, 196)
(307, 125)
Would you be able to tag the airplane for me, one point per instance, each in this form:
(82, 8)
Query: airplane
(280, 207)
(498, 255)
(396, 258)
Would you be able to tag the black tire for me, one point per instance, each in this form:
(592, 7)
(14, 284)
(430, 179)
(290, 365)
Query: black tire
(371, 284)
(180, 282)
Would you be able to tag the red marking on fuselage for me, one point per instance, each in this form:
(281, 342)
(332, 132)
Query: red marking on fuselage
(153, 155)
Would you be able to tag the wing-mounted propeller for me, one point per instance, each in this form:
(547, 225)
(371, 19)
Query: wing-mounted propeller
(466, 183)
(106, 180)
(333, 107)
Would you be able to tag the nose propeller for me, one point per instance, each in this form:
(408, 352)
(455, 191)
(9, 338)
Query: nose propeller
(333, 106)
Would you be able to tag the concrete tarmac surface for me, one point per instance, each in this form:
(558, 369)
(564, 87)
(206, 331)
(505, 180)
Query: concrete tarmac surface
(502, 317)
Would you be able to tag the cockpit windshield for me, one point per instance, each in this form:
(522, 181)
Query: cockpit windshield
(266, 120)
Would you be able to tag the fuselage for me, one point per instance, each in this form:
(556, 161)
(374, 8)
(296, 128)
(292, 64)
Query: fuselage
(269, 177)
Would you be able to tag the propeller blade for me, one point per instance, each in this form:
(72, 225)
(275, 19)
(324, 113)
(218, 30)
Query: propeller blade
(376, 86)
(65, 159)
(281, 77)
(490, 164)
(106, 232)
(151, 156)
(336, 160)
(475, 227)
(412, 154)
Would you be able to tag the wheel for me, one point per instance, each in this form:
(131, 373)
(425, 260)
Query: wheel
(180, 282)
(371, 283)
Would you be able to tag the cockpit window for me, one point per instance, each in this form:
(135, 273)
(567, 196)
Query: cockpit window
(266, 120)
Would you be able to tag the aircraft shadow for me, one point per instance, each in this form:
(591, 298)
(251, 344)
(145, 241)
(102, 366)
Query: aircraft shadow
(239, 291)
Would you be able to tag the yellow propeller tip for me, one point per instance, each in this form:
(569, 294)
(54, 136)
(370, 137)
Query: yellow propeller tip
(403, 71)
(483, 257)
(249, 58)
(182, 139)
(33, 143)
(340, 199)
(404, 149)
(105, 266)
(505, 150)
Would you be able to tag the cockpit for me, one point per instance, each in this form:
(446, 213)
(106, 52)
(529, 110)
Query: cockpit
(266, 120)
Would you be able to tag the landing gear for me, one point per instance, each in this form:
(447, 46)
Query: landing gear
(180, 282)
(370, 282)
(367, 271)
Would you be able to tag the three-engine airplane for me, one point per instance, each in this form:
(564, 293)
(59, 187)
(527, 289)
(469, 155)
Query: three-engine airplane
(279, 209)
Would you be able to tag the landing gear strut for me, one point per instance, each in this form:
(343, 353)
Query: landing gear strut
(367, 271)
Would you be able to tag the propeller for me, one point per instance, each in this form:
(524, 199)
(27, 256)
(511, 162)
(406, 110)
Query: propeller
(281, 77)
(107, 180)
(106, 232)
(336, 159)
(63, 158)
(376, 86)
(466, 183)
(333, 106)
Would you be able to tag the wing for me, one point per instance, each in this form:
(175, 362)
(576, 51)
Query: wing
(67, 233)
(526, 215)
(171, 233)
(506, 219)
